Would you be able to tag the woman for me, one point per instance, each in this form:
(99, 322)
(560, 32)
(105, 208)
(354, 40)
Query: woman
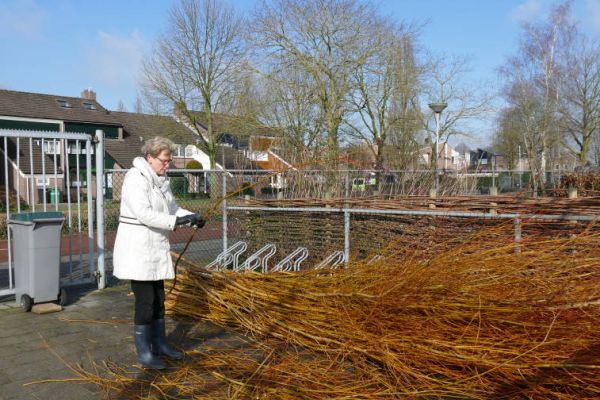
(142, 249)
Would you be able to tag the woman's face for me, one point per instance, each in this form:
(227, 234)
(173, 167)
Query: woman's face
(161, 163)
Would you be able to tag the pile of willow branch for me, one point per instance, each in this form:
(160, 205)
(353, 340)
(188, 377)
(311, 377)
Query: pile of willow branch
(477, 321)
(482, 319)
(500, 204)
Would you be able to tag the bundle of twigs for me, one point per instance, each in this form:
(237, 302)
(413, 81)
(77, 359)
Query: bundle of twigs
(501, 204)
(587, 183)
(482, 318)
(477, 321)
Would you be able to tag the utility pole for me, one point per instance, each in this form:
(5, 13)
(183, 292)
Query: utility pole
(437, 108)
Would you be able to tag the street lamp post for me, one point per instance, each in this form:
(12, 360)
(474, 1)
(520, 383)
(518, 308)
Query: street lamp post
(437, 108)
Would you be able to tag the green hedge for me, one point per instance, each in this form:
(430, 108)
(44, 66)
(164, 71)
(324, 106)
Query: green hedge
(248, 190)
(13, 207)
(193, 165)
(269, 190)
(179, 186)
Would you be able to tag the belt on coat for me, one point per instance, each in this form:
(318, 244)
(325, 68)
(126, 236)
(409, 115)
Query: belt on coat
(129, 220)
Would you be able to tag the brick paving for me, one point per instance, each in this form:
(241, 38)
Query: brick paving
(25, 338)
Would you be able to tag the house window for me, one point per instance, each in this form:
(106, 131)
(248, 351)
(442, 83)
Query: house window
(40, 182)
(50, 146)
(89, 106)
(189, 151)
(63, 103)
(72, 148)
(179, 152)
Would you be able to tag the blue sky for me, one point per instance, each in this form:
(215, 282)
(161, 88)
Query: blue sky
(64, 46)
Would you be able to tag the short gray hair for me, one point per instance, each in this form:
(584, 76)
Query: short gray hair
(157, 145)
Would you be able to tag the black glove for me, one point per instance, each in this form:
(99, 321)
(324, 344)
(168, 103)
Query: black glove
(191, 219)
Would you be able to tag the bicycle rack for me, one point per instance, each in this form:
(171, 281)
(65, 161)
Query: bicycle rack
(292, 261)
(259, 259)
(333, 260)
(229, 256)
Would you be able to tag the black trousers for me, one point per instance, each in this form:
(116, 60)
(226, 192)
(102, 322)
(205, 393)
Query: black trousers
(149, 301)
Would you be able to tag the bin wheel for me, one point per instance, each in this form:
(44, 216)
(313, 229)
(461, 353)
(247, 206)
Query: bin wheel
(26, 302)
(62, 297)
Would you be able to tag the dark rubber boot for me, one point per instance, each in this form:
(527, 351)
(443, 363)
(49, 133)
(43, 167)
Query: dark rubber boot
(142, 336)
(159, 341)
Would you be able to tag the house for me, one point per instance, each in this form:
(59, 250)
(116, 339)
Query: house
(244, 143)
(255, 140)
(124, 135)
(43, 112)
(449, 159)
(487, 160)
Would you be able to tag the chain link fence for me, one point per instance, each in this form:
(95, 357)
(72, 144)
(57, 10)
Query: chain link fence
(360, 236)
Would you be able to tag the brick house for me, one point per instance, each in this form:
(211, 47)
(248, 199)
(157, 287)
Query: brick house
(124, 135)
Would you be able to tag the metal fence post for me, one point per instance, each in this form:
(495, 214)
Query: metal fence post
(347, 185)
(90, 213)
(7, 194)
(346, 236)
(101, 275)
(224, 208)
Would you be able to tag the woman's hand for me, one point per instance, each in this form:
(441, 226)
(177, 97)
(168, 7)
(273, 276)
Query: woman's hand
(191, 219)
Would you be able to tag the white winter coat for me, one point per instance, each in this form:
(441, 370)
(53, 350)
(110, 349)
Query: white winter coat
(148, 213)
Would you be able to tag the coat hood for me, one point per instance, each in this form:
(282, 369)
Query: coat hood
(162, 182)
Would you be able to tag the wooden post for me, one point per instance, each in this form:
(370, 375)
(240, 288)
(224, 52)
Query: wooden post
(433, 196)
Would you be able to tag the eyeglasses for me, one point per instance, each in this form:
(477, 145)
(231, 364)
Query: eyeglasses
(164, 162)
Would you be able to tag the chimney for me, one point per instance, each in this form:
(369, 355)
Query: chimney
(88, 94)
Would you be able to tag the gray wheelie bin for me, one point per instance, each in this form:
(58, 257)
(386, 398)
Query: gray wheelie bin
(36, 254)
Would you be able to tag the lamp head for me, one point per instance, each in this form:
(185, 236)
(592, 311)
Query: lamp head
(438, 107)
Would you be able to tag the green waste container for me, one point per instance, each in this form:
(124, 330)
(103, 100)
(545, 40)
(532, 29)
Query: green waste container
(36, 244)
(53, 195)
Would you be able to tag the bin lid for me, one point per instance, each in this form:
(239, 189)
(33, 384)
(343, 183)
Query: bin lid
(35, 216)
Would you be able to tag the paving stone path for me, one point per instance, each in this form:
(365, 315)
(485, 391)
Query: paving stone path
(26, 337)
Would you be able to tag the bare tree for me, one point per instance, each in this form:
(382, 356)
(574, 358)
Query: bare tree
(289, 103)
(385, 96)
(447, 82)
(508, 136)
(194, 64)
(138, 106)
(579, 100)
(121, 106)
(532, 86)
(596, 148)
(327, 39)
(246, 100)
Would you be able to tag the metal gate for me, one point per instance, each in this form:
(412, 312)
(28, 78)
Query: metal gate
(53, 171)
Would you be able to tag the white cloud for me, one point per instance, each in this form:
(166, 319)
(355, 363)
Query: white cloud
(527, 11)
(21, 18)
(115, 60)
